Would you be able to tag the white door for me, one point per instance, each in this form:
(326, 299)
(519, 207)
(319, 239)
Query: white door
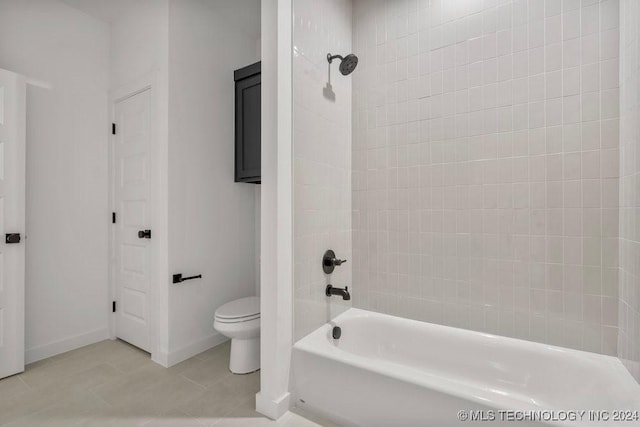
(12, 211)
(133, 219)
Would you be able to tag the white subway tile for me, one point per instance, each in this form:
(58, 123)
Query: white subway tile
(495, 165)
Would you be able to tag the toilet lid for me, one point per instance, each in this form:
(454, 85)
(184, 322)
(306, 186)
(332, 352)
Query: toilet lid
(243, 307)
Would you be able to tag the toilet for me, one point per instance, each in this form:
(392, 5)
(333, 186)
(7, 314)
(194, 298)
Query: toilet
(240, 321)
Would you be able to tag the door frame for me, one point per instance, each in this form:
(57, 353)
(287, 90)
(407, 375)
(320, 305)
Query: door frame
(147, 83)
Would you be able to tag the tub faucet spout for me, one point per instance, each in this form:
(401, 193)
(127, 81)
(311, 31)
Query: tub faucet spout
(344, 293)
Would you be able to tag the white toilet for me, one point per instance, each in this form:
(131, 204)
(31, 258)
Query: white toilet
(240, 321)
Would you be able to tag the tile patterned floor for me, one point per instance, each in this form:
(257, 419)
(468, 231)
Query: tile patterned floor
(113, 384)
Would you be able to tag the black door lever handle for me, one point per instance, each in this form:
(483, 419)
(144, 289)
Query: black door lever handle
(12, 238)
(144, 234)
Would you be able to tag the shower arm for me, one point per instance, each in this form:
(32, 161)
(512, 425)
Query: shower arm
(330, 57)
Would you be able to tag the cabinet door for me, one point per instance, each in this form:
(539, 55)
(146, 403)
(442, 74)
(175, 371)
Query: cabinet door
(248, 129)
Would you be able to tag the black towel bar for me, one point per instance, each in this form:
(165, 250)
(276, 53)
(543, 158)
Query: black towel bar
(177, 278)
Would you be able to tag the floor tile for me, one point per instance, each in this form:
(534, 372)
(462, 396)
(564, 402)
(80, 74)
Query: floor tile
(215, 402)
(175, 418)
(67, 412)
(126, 388)
(113, 384)
(209, 371)
(169, 393)
(115, 417)
(223, 348)
(12, 387)
(15, 407)
(248, 384)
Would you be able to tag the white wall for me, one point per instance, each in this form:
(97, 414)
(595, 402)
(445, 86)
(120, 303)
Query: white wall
(211, 218)
(67, 52)
(276, 221)
(139, 42)
(629, 316)
(322, 158)
(486, 166)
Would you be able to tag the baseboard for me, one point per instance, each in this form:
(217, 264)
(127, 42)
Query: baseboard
(186, 352)
(273, 409)
(161, 358)
(47, 350)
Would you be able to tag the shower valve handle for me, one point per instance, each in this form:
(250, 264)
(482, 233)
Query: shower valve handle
(329, 261)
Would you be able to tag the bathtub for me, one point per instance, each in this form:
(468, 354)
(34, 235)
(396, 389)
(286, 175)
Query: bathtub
(388, 371)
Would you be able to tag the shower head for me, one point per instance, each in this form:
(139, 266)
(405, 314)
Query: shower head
(347, 63)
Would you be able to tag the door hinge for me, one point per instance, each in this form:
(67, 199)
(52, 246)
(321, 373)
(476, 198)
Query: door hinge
(113, 217)
(113, 128)
(113, 308)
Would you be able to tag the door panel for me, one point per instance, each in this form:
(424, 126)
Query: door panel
(12, 220)
(132, 193)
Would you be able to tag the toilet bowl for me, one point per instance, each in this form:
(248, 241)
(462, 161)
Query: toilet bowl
(240, 321)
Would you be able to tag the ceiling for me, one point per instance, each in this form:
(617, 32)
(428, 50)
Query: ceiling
(244, 14)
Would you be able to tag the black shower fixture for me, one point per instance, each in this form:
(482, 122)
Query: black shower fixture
(347, 63)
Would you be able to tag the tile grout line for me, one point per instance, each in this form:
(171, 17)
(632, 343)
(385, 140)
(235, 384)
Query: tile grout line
(25, 383)
(92, 391)
(180, 375)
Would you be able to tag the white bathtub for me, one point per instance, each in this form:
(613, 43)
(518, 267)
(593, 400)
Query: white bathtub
(389, 371)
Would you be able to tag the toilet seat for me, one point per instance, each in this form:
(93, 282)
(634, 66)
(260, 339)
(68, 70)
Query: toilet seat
(240, 310)
(237, 319)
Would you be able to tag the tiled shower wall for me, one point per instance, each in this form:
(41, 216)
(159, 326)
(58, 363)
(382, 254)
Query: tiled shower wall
(485, 166)
(629, 337)
(322, 158)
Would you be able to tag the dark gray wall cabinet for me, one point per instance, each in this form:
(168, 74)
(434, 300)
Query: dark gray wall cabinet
(248, 123)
